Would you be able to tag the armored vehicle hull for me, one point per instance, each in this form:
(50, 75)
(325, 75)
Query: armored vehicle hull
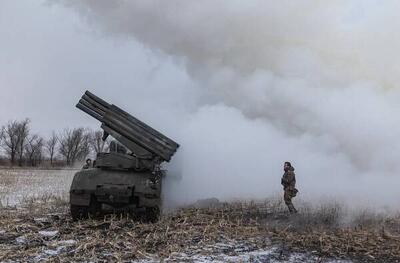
(129, 175)
(96, 188)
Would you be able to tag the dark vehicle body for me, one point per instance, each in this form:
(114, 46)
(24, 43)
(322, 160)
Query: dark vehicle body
(129, 176)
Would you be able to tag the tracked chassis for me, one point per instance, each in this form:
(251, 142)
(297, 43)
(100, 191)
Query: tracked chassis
(127, 180)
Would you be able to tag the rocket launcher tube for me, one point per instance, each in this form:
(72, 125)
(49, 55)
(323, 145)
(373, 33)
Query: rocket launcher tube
(128, 129)
(144, 126)
(84, 108)
(99, 107)
(112, 116)
(137, 137)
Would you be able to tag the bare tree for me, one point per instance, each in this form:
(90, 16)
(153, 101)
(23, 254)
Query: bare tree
(1, 138)
(33, 150)
(14, 136)
(51, 145)
(74, 144)
(1, 134)
(10, 140)
(22, 134)
(96, 141)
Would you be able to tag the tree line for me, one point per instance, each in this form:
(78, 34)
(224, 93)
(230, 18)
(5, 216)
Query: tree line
(19, 146)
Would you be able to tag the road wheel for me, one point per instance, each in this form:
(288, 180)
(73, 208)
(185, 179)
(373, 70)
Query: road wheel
(94, 209)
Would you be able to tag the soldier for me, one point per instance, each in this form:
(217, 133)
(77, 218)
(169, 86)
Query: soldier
(88, 164)
(289, 182)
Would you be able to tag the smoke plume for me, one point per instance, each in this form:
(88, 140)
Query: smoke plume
(311, 82)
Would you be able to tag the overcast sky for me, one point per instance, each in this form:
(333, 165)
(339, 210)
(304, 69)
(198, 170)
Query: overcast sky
(49, 56)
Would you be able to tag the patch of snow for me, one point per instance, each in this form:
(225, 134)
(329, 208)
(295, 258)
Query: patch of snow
(52, 252)
(48, 253)
(21, 240)
(67, 242)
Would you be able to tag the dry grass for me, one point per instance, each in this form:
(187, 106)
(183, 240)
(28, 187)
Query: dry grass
(254, 225)
(39, 204)
(330, 231)
(119, 237)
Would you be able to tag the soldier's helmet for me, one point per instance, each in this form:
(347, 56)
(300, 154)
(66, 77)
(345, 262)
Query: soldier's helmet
(288, 167)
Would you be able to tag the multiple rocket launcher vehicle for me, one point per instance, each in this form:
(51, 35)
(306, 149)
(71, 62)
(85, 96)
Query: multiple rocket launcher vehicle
(121, 179)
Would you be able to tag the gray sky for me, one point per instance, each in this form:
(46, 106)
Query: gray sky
(49, 56)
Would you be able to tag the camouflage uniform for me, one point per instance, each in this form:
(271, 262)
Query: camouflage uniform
(289, 182)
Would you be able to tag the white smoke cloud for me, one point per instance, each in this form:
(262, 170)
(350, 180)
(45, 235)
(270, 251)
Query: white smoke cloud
(313, 82)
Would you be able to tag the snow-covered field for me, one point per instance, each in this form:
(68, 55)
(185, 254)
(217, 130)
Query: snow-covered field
(17, 185)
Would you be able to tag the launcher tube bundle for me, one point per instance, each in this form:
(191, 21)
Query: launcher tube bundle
(137, 136)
